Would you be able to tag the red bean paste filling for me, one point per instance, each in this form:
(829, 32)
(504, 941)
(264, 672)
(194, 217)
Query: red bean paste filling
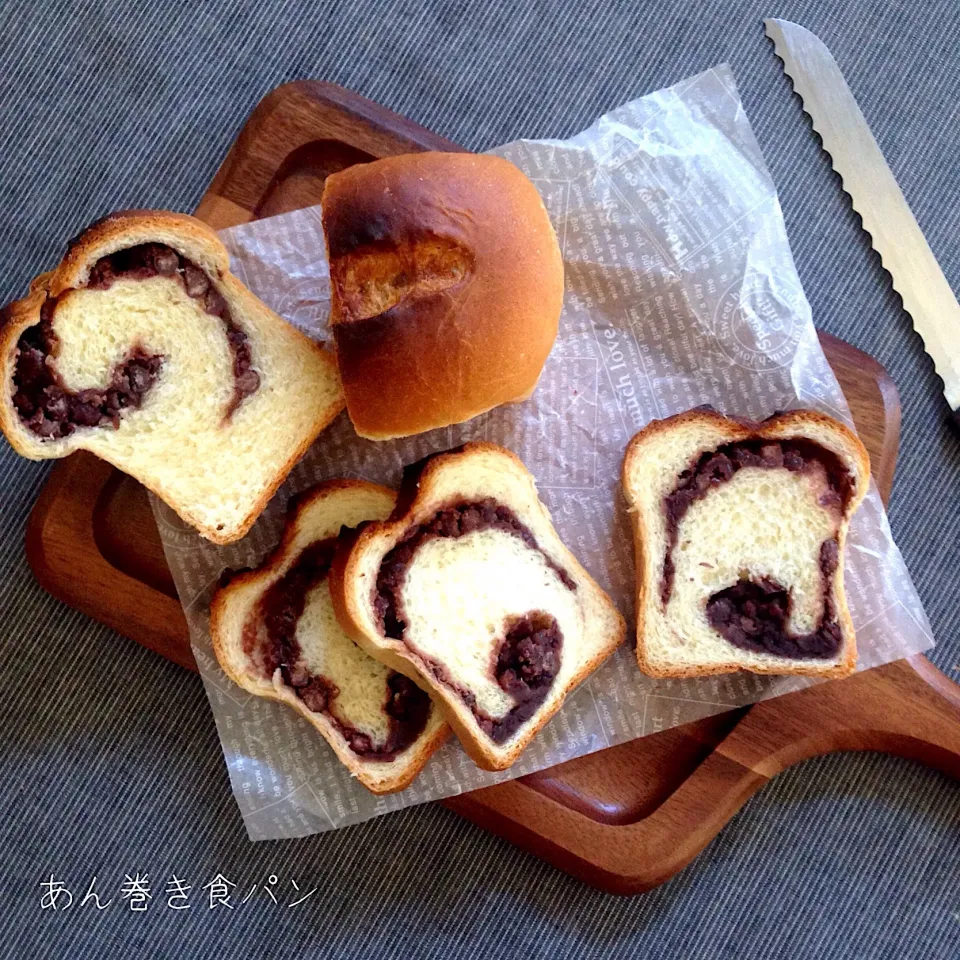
(407, 707)
(527, 659)
(52, 411)
(753, 615)
(743, 613)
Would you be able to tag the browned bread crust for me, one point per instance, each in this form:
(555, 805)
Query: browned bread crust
(447, 285)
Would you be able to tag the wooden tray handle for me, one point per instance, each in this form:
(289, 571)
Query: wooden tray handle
(907, 708)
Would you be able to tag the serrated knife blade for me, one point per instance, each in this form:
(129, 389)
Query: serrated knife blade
(876, 196)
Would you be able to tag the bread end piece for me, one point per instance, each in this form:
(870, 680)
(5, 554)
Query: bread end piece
(446, 288)
(653, 461)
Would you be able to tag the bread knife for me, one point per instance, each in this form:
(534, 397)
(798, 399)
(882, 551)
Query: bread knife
(876, 196)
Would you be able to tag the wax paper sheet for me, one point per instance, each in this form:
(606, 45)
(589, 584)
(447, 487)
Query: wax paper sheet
(680, 290)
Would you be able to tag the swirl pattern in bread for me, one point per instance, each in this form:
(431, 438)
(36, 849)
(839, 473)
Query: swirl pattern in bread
(468, 590)
(144, 349)
(275, 634)
(740, 531)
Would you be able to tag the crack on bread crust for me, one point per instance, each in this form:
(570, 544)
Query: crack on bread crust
(52, 411)
(373, 273)
(527, 659)
(270, 643)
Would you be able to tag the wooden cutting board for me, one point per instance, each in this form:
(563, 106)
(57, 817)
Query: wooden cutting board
(624, 819)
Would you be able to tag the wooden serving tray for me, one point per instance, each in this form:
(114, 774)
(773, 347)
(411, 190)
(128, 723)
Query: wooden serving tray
(624, 819)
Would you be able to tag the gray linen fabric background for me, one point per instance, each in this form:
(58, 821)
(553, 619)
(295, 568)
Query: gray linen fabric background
(109, 762)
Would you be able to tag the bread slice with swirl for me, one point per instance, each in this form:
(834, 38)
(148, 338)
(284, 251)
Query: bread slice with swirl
(144, 349)
(740, 529)
(468, 590)
(275, 634)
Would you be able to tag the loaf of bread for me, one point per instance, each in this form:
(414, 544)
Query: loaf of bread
(447, 285)
(468, 590)
(739, 530)
(275, 634)
(142, 348)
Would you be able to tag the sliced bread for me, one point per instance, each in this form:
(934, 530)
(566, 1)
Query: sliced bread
(468, 589)
(275, 634)
(144, 349)
(739, 529)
